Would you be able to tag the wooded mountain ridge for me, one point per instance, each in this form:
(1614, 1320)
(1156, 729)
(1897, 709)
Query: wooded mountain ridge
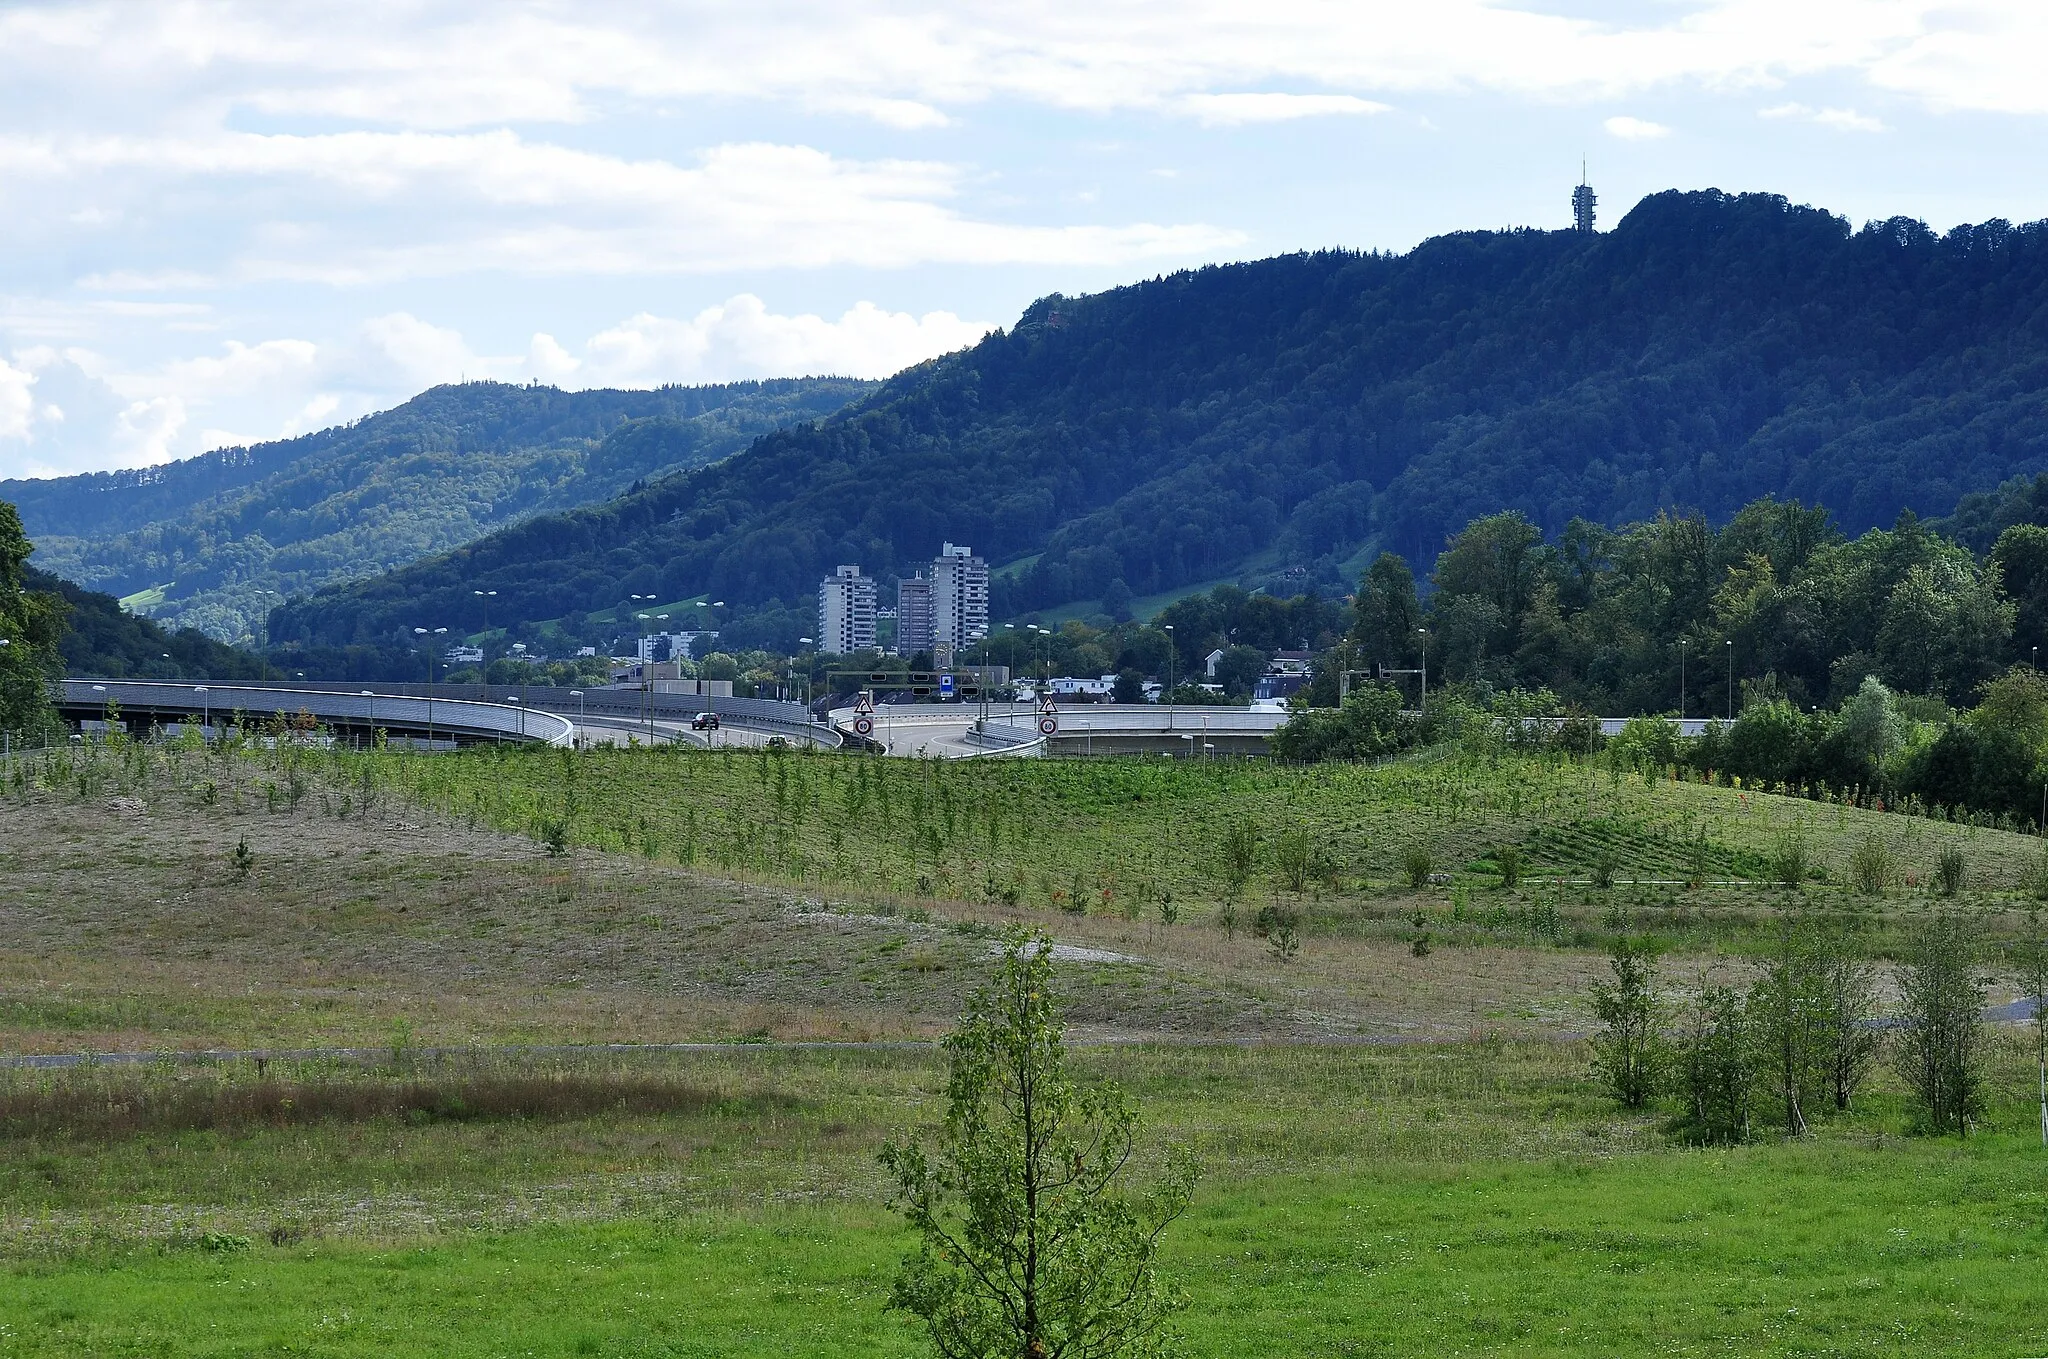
(1285, 418)
(215, 541)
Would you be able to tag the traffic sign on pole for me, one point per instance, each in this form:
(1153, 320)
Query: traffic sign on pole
(1048, 724)
(945, 686)
(864, 725)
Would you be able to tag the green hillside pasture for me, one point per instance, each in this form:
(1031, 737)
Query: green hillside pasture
(1127, 836)
(1476, 1200)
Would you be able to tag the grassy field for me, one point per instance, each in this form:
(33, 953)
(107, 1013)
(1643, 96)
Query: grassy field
(1471, 1198)
(1476, 1193)
(1688, 863)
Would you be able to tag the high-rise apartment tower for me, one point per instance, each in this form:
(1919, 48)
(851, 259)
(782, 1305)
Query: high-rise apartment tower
(846, 611)
(914, 615)
(959, 597)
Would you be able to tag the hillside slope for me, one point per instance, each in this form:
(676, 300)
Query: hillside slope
(104, 640)
(1285, 415)
(214, 541)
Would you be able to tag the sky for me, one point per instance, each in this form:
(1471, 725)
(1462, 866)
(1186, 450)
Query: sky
(222, 223)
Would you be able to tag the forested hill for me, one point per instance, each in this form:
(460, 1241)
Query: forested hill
(1288, 414)
(217, 540)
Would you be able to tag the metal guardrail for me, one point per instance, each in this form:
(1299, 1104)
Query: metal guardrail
(456, 716)
(616, 705)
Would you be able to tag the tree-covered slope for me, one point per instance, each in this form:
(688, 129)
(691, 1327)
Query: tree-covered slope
(1288, 413)
(215, 541)
(103, 640)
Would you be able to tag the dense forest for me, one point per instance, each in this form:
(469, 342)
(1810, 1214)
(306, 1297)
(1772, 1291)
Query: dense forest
(1284, 419)
(214, 542)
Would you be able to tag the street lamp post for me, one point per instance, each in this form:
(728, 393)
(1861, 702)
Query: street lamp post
(1423, 647)
(205, 712)
(486, 596)
(577, 694)
(437, 632)
(1168, 627)
(373, 716)
(1681, 680)
(1730, 645)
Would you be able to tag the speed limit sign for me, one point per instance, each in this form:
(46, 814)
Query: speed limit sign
(864, 725)
(1048, 724)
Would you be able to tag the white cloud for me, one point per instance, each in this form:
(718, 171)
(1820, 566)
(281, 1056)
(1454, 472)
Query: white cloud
(1635, 129)
(17, 400)
(1229, 109)
(1842, 120)
(905, 64)
(282, 387)
(742, 338)
(143, 434)
(496, 200)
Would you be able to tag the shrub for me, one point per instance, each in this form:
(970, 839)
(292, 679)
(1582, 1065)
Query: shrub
(1872, 868)
(1240, 853)
(1790, 860)
(2037, 877)
(1280, 927)
(1294, 858)
(1714, 1065)
(1629, 1041)
(1941, 1025)
(1418, 865)
(1951, 871)
(1605, 862)
(1508, 858)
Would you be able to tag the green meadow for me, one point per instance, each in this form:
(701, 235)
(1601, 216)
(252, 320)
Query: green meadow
(1403, 1148)
(1474, 1199)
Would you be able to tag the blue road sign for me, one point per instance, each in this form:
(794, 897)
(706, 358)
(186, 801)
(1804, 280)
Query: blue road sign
(945, 686)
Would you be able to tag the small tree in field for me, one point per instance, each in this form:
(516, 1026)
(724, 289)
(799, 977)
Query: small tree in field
(1785, 1014)
(1848, 995)
(1630, 1041)
(1030, 1247)
(2033, 960)
(1240, 854)
(1715, 1063)
(1940, 1024)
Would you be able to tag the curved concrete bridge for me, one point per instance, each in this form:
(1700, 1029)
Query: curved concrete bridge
(347, 713)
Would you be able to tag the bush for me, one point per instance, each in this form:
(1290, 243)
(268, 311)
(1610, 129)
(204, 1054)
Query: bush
(1508, 858)
(1370, 723)
(1790, 860)
(2037, 877)
(1418, 865)
(1714, 1064)
(1872, 868)
(1629, 1043)
(1951, 871)
(1941, 1024)
(1605, 863)
(1294, 858)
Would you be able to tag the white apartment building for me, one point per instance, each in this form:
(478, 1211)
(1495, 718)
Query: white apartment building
(959, 597)
(846, 611)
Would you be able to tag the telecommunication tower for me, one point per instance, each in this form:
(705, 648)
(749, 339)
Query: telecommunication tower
(1583, 200)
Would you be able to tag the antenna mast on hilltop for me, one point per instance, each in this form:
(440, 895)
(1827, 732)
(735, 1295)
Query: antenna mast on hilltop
(1583, 200)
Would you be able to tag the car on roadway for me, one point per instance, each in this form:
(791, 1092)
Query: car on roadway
(778, 743)
(704, 722)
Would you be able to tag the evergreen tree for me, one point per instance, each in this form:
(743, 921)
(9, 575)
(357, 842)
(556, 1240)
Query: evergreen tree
(1029, 1244)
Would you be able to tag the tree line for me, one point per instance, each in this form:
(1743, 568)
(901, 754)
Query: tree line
(1796, 1044)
